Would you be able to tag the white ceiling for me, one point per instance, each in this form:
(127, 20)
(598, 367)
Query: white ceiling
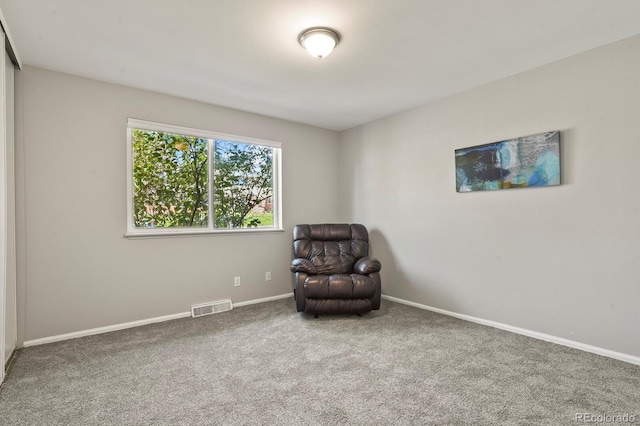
(244, 54)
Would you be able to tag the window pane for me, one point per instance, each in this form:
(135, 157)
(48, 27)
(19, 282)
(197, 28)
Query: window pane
(243, 181)
(170, 180)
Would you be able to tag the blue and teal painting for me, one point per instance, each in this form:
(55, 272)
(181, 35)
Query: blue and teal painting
(515, 163)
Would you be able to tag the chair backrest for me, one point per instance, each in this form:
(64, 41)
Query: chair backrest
(332, 248)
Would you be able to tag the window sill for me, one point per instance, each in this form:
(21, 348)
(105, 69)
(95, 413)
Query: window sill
(172, 233)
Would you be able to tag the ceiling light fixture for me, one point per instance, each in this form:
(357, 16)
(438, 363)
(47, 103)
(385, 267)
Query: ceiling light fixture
(319, 41)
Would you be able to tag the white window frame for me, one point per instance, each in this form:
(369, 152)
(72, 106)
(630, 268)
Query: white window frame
(136, 232)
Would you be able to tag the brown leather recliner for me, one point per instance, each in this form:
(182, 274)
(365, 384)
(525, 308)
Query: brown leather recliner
(333, 272)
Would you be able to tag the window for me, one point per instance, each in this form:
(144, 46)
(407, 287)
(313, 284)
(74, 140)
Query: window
(188, 181)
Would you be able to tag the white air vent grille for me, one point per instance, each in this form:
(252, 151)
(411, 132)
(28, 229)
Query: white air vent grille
(211, 308)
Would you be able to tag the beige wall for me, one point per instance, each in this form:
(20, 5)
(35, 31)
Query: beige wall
(558, 260)
(75, 270)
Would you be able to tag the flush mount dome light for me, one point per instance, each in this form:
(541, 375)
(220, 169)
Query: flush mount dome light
(319, 41)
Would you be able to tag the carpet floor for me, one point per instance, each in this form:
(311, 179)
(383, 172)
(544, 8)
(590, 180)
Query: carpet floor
(266, 364)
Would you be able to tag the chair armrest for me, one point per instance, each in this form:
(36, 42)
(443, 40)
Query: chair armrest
(367, 265)
(303, 265)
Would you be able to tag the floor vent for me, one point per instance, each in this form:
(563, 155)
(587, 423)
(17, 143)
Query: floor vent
(211, 308)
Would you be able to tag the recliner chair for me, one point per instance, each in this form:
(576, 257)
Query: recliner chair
(333, 272)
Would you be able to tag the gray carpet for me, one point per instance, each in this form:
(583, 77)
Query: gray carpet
(267, 364)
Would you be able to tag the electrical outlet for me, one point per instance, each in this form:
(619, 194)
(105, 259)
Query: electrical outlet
(236, 281)
(267, 276)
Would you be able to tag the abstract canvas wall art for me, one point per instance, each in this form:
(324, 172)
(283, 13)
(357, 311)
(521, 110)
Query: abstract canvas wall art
(514, 163)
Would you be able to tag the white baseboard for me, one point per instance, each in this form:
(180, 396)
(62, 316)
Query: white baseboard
(100, 330)
(266, 299)
(139, 323)
(536, 335)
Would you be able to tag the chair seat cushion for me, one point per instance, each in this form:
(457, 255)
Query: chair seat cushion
(339, 286)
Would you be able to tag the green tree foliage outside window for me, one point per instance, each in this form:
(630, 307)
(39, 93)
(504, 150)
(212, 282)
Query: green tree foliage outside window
(171, 182)
(243, 180)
